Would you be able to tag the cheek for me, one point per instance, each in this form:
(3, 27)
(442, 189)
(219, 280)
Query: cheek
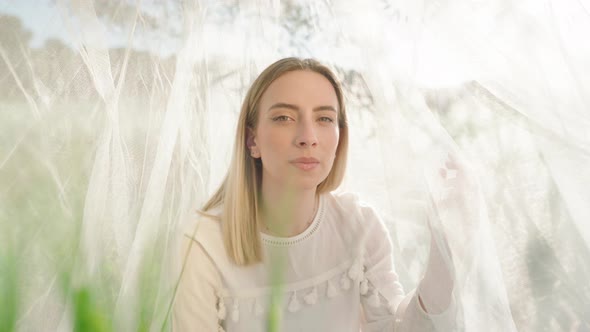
(272, 141)
(331, 140)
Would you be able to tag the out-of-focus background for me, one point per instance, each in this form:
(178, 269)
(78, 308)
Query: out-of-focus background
(117, 119)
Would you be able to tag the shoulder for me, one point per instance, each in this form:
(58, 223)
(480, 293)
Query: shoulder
(351, 206)
(366, 225)
(200, 222)
(349, 211)
(204, 229)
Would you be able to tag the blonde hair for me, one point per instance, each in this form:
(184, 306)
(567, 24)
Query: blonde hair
(239, 190)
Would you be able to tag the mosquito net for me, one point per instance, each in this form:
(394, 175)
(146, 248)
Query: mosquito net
(117, 121)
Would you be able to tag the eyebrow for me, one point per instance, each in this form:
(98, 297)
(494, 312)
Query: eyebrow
(296, 108)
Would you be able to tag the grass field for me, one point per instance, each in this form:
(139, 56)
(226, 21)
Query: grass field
(45, 166)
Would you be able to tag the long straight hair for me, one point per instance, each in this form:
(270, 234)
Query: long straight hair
(238, 193)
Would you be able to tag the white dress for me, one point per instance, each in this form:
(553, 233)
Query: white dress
(337, 275)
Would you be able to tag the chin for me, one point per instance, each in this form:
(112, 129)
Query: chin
(308, 184)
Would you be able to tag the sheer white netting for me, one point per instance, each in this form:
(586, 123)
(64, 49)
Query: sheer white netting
(117, 120)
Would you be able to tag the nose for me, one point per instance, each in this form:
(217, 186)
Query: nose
(306, 135)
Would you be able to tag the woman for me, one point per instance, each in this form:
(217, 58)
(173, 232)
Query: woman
(275, 246)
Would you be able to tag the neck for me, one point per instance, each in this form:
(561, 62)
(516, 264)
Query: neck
(287, 212)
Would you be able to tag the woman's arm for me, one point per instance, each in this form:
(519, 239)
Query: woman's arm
(396, 311)
(436, 288)
(195, 304)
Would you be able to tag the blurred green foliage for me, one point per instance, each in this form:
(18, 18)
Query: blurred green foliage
(9, 298)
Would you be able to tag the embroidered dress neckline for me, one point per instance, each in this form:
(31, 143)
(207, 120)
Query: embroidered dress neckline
(288, 241)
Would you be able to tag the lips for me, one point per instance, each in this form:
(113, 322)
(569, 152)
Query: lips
(305, 163)
(307, 160)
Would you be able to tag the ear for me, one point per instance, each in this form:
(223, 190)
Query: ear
(251, 143)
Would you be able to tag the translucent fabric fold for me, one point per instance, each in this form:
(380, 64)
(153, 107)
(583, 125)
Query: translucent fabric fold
(118, 119)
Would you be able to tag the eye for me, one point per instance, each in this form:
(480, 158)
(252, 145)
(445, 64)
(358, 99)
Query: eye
(281, 118)
(326, 119)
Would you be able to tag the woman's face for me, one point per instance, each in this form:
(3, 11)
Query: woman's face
(297, 133)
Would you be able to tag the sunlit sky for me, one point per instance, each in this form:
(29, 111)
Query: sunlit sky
(437, 62)
(38, 16)
(45, 20)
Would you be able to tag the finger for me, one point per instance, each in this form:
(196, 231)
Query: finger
(454, 162)
(442, 172)
(451, 164)
(451, 182)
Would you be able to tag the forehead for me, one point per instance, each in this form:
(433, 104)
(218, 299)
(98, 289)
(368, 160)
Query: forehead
(301, 87)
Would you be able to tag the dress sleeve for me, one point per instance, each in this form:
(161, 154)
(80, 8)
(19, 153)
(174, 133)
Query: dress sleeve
(195, 305)
(385, 306)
